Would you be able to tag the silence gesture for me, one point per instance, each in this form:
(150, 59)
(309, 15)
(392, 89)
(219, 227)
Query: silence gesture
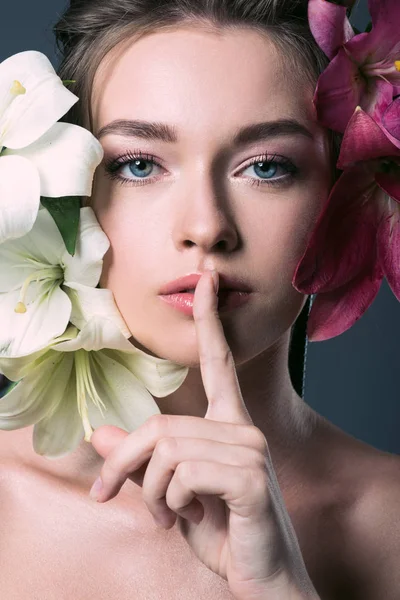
(213, 476)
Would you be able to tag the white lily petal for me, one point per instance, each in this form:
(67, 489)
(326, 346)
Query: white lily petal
(88, 302)
(37, 394)
(161, 377)
(86, 265)
(61, 432)
(19, 196)
(98, 333)
(127, 401)
(46, 99)
(17, 368)
(43, 243)
(46, 317)
(66, 157)
(42, 246)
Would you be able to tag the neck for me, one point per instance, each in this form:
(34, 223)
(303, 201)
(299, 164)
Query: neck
(286, 421)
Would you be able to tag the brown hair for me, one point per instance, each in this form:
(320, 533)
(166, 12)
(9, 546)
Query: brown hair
(89, 29)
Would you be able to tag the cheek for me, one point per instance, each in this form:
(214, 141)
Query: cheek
(283, 235)
(124, 265)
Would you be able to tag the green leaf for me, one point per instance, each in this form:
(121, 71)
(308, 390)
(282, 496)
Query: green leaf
(65, 212)
(68, 81)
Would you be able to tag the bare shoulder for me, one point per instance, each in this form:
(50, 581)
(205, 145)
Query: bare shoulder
(372, 546)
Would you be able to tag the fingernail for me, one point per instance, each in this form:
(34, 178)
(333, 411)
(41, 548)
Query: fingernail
(215, 279)
(96, 489)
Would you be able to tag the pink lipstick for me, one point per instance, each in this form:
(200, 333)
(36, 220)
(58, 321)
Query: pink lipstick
(179, 294)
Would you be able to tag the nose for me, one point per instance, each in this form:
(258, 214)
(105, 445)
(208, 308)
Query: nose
(204, 217)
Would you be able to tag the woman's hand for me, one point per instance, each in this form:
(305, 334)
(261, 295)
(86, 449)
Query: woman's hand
(211, 475)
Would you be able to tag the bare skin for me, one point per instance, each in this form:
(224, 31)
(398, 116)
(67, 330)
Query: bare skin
(200, 217)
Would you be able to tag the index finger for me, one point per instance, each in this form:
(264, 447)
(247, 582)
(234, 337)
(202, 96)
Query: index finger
(225, 400)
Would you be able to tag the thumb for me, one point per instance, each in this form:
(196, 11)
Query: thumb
(105, 438)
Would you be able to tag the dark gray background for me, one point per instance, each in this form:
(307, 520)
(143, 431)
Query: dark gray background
(351, 379)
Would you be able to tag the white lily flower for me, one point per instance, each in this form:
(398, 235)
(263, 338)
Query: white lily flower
(43, 287)
(82, 381)
(38, 156)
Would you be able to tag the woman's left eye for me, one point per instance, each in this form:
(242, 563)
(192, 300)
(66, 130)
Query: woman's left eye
(135, 168)
(268, 170)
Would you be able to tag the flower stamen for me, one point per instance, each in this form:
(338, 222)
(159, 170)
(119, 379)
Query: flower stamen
(50, 273)
(397, 64)
(86, 387)
(17, 89)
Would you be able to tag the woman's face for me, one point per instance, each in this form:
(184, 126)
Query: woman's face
(198, 203)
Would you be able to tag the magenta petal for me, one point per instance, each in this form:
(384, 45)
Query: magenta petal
(389, 248)
(390, 182)
(377, 98)
(385, 15)
(329, 25)
(391, 119)
(364, 140)
(343, 242)
(335, 312)
(338, 92)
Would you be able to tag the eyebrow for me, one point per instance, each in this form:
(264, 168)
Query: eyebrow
(245, 135)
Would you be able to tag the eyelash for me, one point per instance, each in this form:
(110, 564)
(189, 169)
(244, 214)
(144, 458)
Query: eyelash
(113, 167)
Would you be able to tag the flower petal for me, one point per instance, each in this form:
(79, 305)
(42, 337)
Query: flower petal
(389, 247)
(46, 99)
(59, 433)
(391, 120)
(88, 302)
(343, 242)
(383, 40)
(161, 377)
(128, 402)
(87, 263)
(19, 197)
(390, 182)
(364, 140)
(66, 157)
(46, 317)
(334, 312)
(377, 98)
(37, 394)
(329, 25)
(338, 92)
(98, 333)
(41, 247)
(17, 368)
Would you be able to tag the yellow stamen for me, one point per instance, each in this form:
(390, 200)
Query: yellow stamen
(47, 273)
(397, 64)
(20, 308)
(17, 89)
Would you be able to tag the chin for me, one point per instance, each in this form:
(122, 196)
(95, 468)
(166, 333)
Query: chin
(184, 353)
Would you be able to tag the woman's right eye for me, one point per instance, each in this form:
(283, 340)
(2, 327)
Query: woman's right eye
(132, 169)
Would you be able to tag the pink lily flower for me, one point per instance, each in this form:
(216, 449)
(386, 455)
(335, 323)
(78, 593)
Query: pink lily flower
(356, 241)
(364, 69)
(391, 121)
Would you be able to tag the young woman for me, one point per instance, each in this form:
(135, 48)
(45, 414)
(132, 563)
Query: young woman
(213, 160)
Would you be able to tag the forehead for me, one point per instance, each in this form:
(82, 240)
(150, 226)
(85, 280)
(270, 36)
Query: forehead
(199, 80)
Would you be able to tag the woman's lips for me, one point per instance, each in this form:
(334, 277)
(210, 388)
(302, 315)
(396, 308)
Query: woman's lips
(227, 300)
